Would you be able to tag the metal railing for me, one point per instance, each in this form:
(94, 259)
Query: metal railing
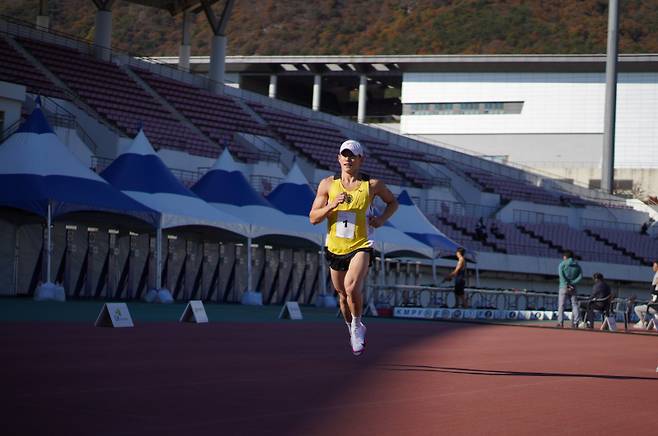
(447, 207)
(264, 184)
(443, 296)
(478, 299)
(603, 224)
(533, 217)
(64, 118)
(6, 133)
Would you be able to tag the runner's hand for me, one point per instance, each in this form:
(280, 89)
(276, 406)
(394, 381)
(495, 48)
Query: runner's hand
(340, 199)
(375, 221)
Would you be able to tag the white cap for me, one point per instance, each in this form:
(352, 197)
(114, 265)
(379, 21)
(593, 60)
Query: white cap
(354, 146)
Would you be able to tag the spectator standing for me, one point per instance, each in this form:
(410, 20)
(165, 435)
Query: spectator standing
(569, 273)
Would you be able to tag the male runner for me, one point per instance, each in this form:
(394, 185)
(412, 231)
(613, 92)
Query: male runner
(344, 200)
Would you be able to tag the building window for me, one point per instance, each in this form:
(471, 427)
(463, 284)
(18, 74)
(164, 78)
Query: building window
(494, 108)
(469, 108)
(464, 108)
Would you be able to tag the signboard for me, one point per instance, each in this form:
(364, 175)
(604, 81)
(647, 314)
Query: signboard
(114, 315)
(290, 310)
(194, 312)
(414, 312)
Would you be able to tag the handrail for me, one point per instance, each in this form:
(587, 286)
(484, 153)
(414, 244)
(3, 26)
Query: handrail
(414, 297)
(6, 133)
(447, 207)
(82, 133)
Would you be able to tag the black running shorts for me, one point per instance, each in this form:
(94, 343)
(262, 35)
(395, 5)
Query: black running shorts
(460, 285)
(341, 262)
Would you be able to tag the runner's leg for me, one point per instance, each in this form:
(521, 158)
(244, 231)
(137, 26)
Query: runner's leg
(354, 279)
(338, 280)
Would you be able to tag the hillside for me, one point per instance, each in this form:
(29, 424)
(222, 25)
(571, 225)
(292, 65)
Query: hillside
(302, 27)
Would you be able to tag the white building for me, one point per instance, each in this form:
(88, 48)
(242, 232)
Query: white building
(542, 111)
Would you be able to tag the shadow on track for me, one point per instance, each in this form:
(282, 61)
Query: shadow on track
(491, 372)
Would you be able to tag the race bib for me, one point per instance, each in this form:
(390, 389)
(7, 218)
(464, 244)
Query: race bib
(345, 224)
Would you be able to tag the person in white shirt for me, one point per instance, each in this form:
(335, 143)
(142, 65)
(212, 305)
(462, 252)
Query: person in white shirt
(641, 310)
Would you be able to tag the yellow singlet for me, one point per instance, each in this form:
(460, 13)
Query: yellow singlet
(348, 223)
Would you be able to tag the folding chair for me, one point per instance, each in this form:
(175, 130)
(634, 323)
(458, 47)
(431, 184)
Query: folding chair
(609, 322)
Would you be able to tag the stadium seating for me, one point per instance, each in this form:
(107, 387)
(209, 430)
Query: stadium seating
(399, 161)
(643, 248)
(511, 189)
(16, 69)
(112, 93)
(218, 117)
(116, 97)
(461, 229)
(563, 237)
(319, 142)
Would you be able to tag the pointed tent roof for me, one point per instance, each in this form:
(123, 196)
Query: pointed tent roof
(413, 222)
(37, 169)
(226, 188)
(390, 240)
(141, 174)
(293, 196)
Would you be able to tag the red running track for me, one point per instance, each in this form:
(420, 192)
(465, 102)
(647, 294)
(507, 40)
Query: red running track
(416, 378)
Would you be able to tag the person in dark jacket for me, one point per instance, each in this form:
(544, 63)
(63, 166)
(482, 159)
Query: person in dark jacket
(599, 300)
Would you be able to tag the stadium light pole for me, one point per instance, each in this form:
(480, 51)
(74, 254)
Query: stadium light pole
(608, 159)
(43, 17)
(103, 29)
(185, 49)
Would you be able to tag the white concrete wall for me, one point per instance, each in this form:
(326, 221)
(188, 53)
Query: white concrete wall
(12, 97)
(554, 104)
(70, 138)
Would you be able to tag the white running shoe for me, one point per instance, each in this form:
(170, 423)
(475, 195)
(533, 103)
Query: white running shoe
(640, 325)
(358, 339)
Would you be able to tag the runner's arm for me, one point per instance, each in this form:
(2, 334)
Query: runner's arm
(459, 267)
(321, 208)
(379, 188)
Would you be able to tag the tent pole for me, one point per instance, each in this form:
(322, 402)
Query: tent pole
(249, 266)
(383, 268)
(435, 279)
(477, 275)
(158, 256)
(49, 247)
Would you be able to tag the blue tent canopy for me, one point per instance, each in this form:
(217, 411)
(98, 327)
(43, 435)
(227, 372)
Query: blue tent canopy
(413, 222)
(225, 187)
(37, 170)
(140, 173)
(293, 196)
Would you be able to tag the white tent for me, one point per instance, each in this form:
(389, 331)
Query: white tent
(226, 188)
(139, 173)
(40, 175)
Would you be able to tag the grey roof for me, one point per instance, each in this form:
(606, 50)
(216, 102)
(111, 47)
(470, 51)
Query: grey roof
(397, 64)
